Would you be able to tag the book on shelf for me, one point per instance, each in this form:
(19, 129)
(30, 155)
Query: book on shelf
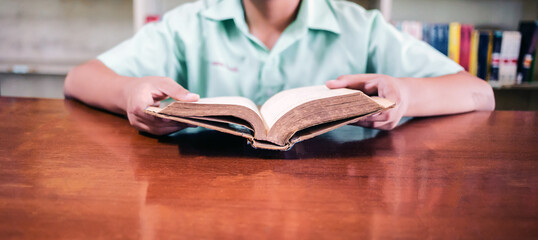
(484, 54)
(473, 58)
(495, 58)
(413, 28)
(443, 33)
(487, 54)
(508, 57)
(426, 33)
(466, 33)
(527, 53)
(454, 39)
(286, 118)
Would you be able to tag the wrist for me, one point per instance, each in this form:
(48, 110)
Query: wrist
(405, 95)
(125, 91)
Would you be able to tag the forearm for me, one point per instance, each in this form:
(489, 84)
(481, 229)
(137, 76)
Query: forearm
(97, 85)
(450, 94)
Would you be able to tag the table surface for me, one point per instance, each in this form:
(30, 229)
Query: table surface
(70, 171)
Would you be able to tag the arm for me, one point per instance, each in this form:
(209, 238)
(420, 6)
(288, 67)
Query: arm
(449, 94)
(99, 86)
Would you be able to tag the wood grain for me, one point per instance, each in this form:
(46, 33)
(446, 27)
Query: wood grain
(68, 171)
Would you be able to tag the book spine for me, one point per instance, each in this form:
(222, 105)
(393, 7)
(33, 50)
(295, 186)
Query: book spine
(527, 53)
(490, 52)
(508, 57)
(465, 45)
(436, 37)
(514, 56)
(523, 74)
(483, 54)
(530, 74)
(495, 58)
(454, 42)
(446, 32)
(413, 28)
(426, 33)
(473, 60)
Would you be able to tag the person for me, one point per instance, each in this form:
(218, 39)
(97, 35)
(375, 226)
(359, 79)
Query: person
(256, 48)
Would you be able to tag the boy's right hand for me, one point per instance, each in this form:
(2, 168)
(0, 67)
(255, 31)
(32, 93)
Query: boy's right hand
(149, 91)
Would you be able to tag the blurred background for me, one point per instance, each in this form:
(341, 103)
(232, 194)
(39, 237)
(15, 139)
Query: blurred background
(40, 40)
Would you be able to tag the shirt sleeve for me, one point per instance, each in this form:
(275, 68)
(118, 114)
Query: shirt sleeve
(155, 50)
(401, 55)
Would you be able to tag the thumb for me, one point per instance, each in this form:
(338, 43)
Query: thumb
(176, 91)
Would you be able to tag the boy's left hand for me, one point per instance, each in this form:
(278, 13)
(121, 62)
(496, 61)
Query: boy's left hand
(377, 85)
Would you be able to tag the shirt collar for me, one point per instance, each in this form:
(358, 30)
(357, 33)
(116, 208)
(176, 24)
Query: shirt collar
(321, 16)
(224, 10)
(319, 13)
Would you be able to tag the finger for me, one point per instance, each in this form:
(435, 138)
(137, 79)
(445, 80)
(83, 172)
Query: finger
(176, 91)
(157, 130)
(376, 118)
(137, 104)
(381, 117)
(364, 82)
(385, 125)
(332, 84)
(159, 122)
(366, 124)
(156, 104)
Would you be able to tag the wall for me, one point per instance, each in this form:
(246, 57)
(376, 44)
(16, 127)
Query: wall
(31, 85)
(53, 35)
(505, 14)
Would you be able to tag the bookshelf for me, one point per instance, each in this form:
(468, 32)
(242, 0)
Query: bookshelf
(483, 14)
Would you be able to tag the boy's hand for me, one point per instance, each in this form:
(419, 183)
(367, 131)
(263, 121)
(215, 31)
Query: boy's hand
(149, 91)
(381, 85)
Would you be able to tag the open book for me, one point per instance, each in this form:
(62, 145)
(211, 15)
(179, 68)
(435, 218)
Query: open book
(286, 118)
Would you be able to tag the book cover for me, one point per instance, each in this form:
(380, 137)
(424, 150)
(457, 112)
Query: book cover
(483, 57)
(466, 31)
(454, 41)
(495, 58)
(527, 53)
(473, 59)
(510, 45)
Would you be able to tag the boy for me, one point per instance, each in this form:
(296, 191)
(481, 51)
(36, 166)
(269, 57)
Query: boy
(256, 48)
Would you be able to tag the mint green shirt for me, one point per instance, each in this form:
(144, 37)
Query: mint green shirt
(206, 47)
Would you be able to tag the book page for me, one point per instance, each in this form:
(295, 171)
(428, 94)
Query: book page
(281, 103)
(241, 101)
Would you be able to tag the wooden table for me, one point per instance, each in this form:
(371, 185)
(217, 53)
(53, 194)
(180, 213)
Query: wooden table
(72, 172)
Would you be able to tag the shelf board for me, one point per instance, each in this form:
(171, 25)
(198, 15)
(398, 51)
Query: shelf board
(37, 68)
(523, 86)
